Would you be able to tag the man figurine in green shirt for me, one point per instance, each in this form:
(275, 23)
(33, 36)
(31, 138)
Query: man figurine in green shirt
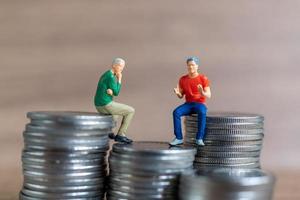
(109, 85)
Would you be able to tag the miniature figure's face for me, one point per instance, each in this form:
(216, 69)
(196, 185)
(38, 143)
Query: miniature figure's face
(192, 67)
(118, 68)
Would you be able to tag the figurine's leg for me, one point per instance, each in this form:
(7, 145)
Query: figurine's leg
(104, 111)
(127, 112)
(201, 110)
(182, 110)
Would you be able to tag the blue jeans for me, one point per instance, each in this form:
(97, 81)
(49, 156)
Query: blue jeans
(185, 110)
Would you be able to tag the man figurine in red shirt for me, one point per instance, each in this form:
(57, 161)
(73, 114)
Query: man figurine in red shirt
(195, 88)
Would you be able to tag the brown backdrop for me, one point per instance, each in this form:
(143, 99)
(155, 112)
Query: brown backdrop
(53, 52)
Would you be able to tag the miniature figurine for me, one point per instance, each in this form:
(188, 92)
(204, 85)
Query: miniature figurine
(109, 86)
(195, 87)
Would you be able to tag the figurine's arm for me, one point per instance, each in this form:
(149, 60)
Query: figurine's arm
(114, 87)
(205, 92)
(178, 91)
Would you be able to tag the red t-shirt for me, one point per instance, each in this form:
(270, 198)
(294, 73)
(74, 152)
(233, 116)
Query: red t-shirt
(190, 89)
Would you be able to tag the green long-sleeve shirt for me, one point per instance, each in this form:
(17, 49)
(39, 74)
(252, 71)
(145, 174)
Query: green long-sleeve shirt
(107, 81)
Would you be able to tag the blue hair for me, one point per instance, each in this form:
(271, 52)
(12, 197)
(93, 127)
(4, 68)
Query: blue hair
(193, 58)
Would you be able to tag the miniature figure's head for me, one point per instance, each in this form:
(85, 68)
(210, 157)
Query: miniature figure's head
(118, 65)
(192, 65)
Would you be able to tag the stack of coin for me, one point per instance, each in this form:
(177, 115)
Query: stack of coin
(147, 170)
(227, 184)
(232, 140)
(64, 155)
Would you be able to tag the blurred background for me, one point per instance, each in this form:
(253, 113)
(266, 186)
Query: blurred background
(52, 54)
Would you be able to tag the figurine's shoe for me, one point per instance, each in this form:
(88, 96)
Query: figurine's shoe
(128, 140)
(111, 136)
(176, 142)
(122, 139)
(200, 142)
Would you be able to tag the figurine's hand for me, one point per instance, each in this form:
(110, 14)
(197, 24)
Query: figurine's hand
(109, 92)
(119, 76)
(200, 88)
(177, 91)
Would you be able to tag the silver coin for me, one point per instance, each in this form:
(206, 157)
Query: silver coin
(36, 173)
(115, 164)
(65, 148)
(147, 191)
(70, 164)
(191, 121)
(150, 166)
(25, 197)
(217, 166)
(59, 195)
(148, 172)
(68, 115)
(230, 143)
(32, 146)
(195, 121)
(145, 177)
(142, 190)
(80, 125)
(70, 135)
(152, 148)
(216, 142)
(62, 169)
(209, 160)
(227, 117)
(236, 137)
(87, 166)
(211, 131)
(50, 123)
(71, 140)
(64, 182)
(148, 183)
(231, 148)
(224, 136)
(152, 158)
(225, 144)
(62, 189)
(46, 172)
(66, 141)
(229, 154)
(66, 163)
(189, 124)
(125, 195)
(51, 155)
(227, 132)
(59, 161)
(66, 132)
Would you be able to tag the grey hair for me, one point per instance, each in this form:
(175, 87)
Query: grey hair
(118, 61)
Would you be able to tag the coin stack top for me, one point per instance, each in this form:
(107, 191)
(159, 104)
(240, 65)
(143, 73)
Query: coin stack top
(64, 155)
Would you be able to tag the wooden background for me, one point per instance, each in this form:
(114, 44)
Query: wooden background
(53, 52)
